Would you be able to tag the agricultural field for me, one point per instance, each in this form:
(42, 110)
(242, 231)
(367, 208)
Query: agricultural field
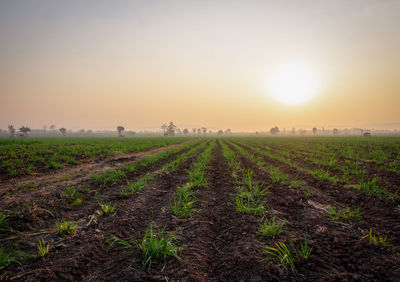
(229, 208)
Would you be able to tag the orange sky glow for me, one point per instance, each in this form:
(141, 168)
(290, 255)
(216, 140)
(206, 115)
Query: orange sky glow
(99, 64)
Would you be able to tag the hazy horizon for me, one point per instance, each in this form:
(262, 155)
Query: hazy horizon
(99, 64)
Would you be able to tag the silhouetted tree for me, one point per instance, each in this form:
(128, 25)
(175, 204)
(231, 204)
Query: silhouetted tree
(220, 132)
(194, 130)
(63, 131)
(274, 130)
(120, 130)
(45, 129)
(53, 128)
(24, 130)
(11, 130)
(293, 131)
(204, 130)
(314, 130)
(198, 131)
(335, 131)
(171, 129)
(228, 131)
(186, 131)
(164, 127)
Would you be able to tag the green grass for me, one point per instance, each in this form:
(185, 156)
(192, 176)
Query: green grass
(345, 214)
(248, 204)
(21, 157)
(65, 227)
(4, 225)
(377, 240)
(270, 228)
(183, 203)
(288, 255)
(43, 248)
(107, 209)
(156, 246)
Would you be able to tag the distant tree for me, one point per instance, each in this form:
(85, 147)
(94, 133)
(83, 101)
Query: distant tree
(228, 131)
(314, 130)
(11, 130)
(204, 129)
(220, 132)
(194, 130)
(120, 130)
(198, 131)
(210, 132)
(170, 129)
(293, 131)
(302, 132)
(82, 131)
(179, 131)
(53, 128)
(186, 131)
(274, 130)
(89, 131)
(335, 131)
(45, 129)
(164, 127)
(63, 131)
(24, 130)
(367, 134)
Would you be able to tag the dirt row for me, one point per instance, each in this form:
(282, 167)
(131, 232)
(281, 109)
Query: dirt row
(41, 224)
(218, 243)
(389, 179)
(73, 175)
(338, 252)
(380, 215)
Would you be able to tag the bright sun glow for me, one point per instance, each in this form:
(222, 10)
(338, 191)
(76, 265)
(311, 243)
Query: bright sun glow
(293, 84)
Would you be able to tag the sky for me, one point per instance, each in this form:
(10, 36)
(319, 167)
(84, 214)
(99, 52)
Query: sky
(98, 64)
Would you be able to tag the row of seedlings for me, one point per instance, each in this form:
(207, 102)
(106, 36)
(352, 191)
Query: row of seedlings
(245, 201)
(184, 200)
(158, 245)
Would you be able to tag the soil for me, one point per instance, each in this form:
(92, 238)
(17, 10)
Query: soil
(217, 243)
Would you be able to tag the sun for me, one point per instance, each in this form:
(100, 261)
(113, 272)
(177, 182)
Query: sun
(293, 84)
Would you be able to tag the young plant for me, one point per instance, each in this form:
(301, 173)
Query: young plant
(288, 256)
(107, 209)
(71, 193)
(4, 222)
(7, 258)
(182, 205)
(66, 227)
(374, 239)
(156, 247)
(270, 228)
(43, 248)
(344, 214)
(247, 204)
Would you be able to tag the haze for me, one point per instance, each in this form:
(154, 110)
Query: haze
(99, 64)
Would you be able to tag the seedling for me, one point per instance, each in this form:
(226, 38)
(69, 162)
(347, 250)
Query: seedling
(247, 204)
(375, 239)
(288, 256)
(344, 214)
(66, 227)
(270, 228)
(182, 205)
(4, 222)
(156, 247)
(43, 248)
(107, 209)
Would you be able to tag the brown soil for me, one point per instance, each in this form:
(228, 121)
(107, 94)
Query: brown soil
(218, 243)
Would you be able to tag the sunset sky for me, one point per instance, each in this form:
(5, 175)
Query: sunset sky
(99, 64)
